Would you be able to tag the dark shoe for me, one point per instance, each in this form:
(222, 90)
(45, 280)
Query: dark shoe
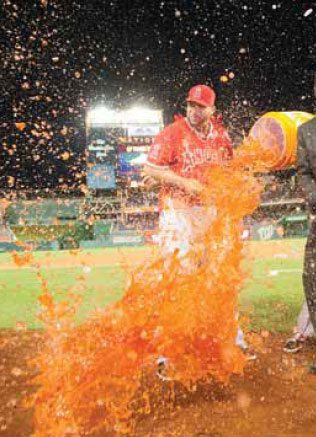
(162, 369)
(292, 346)
(249, 353)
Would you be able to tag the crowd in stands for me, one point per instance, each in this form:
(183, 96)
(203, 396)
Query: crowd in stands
(138, 222)
(138, 200)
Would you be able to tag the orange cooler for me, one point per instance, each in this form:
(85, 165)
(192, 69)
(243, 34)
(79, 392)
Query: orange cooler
(277, 131)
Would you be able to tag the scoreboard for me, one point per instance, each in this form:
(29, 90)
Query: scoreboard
(116, 152)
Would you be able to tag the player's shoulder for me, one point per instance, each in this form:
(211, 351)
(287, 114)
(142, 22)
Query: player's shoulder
(219, 130)
(217, 122)
(178, 124)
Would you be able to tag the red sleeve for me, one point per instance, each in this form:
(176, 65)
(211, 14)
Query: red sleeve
(226, 142)
(223, 138)
(161, 153)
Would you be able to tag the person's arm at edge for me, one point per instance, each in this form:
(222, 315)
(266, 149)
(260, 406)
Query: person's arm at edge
(305, 176)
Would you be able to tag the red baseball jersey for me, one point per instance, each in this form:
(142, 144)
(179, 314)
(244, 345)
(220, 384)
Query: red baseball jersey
(182, 149)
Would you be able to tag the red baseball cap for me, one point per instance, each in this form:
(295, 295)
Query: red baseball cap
(202, 94)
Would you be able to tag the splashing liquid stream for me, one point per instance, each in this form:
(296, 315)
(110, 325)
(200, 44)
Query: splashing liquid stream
(89, 374)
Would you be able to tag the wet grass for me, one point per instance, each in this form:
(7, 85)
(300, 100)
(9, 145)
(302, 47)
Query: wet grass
(271, 299)
(19, 291)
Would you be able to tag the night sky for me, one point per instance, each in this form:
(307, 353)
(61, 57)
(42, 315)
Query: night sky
(60, 56)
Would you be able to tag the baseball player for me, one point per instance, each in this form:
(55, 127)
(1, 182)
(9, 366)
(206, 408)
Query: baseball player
(178, 163)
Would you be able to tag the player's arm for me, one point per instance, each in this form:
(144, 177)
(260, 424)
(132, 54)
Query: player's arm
(305, 176)
(155, 176)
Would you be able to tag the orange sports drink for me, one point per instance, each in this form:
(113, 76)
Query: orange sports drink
(101, 374)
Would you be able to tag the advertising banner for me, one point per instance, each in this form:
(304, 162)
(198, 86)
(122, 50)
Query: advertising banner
(143, 131)
(127, 239)
(267, 231)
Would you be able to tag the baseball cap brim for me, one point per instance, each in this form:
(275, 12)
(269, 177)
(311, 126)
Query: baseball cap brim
(197, 101)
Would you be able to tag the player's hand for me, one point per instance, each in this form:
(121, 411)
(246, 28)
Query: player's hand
(149, 183)
(193, 187)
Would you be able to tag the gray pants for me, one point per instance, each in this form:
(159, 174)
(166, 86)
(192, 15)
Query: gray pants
(309, 273)
(304, 324)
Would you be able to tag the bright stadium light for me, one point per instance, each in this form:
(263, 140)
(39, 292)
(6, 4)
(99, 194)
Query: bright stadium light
(103, 115)
(141, 115)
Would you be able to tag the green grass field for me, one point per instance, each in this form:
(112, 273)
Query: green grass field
(271, 299)
(273, 296)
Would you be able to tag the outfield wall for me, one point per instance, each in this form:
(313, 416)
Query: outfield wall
(54, 224)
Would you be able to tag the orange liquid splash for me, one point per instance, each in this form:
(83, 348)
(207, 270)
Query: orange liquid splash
(22, 259)
(90, 374)
(20, 126)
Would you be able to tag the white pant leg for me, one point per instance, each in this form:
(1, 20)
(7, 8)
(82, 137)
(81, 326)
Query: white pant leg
(174, 231)
(240, 339)
(179, 229)
(182, 228)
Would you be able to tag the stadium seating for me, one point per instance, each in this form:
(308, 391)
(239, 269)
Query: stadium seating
(43, 212)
